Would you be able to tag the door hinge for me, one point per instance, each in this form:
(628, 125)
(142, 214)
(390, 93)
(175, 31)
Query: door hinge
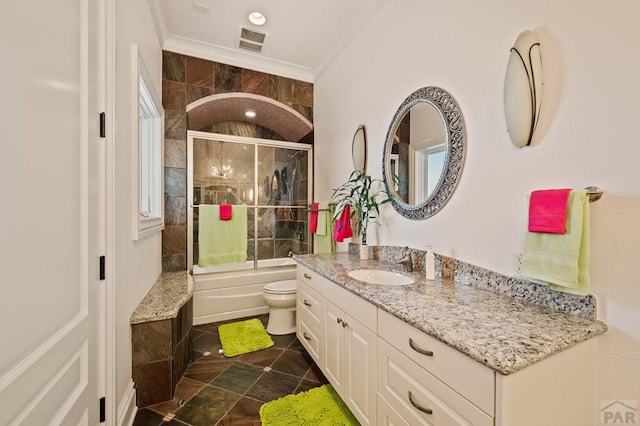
(103, 410)
(103, 125)
(102, 268)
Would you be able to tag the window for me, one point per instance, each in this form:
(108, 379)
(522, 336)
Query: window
(149, 217)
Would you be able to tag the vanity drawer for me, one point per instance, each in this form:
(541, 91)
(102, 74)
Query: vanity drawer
(309, 302)
(419, 397)
(468, 377)
(309, 335)
(357, 307)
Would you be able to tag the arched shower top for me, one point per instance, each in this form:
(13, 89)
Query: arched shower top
(280, 118)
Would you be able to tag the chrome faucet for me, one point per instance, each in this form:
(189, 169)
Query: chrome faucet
(406, 260)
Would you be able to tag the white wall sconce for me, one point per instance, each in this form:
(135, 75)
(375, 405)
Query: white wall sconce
(523, 89)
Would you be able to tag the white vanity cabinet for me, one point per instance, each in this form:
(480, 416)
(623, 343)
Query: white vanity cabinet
(423, 381)
(391, 373)
(338, 329)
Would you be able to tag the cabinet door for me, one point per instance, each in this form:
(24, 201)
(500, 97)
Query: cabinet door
(360, 355)
(333, 362)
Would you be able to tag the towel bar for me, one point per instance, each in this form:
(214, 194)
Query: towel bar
(594, 193)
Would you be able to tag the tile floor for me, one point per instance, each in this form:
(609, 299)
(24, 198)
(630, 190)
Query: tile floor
(229, 391)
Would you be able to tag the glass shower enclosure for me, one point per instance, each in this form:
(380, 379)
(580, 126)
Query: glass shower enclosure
(267, 185)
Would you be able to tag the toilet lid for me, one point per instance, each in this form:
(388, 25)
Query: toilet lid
(281, 287)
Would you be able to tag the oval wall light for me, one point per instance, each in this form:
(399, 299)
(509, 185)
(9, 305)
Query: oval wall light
(523, 89)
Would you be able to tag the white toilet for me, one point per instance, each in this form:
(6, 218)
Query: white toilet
(280, 296)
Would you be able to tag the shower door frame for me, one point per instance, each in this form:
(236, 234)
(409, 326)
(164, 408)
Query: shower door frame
(256, 142)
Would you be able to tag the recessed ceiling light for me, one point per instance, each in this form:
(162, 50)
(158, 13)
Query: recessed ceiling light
(257, 18)
(250, 113)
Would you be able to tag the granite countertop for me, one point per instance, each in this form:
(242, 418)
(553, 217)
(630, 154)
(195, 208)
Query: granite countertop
(165, 298)
(498, 331)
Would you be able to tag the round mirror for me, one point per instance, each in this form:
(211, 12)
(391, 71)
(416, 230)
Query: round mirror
(424, 153)
(359, 149)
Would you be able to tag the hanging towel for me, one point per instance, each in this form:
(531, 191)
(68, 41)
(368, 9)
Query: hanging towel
(225, 212)
(324, 219)
(221, 241)
(313, 220)
(562, 260)
(548, 210)
(342, 227)
(323, 241)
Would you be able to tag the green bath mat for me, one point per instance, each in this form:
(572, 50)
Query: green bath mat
(238, 338)
(318, 406)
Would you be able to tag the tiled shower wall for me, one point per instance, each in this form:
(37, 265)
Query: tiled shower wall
(186, 79)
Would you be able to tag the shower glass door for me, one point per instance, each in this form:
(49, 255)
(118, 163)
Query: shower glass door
(267, 186)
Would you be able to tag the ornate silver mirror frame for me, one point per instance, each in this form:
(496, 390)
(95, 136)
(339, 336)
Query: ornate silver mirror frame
(454, 128)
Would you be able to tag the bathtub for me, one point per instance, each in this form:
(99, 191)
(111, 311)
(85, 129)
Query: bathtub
(221, 294)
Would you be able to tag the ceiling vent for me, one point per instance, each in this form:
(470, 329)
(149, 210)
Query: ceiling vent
(251, 40)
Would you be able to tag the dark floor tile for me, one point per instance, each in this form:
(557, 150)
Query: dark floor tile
(292, 362)
(238, 377)
(297, 346)
(146, 417)
(207, 342)
(273, 385)
(314, 374)
(284, 340)
(195, 332)
(305, 385)
(207, 368)
(245, 412)
(208, 407)
(186, 389)
(263, 358)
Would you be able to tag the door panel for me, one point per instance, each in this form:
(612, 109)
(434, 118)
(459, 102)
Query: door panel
(334, 346)
(49, 244)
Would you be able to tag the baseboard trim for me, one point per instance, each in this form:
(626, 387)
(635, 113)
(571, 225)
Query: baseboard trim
(127, 408)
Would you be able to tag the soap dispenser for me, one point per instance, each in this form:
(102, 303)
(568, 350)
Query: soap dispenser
(429, 264)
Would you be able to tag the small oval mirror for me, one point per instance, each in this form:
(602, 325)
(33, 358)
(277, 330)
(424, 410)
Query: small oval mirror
(424, 153)
(359, 149)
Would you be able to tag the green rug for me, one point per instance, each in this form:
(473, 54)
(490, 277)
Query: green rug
(238, 338)
(318, 406)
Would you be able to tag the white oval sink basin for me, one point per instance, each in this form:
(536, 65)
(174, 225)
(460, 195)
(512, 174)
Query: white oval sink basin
(380, 277)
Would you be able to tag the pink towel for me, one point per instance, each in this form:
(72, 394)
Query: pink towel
(313, 220)
(342, 227)
(225, 211)
(548, 211)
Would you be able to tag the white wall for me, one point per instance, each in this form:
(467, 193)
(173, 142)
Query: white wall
(137, 264)
(587, 135)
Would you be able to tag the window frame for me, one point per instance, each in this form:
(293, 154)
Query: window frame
(147, 152)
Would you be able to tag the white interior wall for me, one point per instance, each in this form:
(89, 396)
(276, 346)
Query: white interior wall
(137, 264)
(586, 136)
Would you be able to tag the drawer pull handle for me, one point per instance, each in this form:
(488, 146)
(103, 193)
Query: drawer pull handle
(306, 336)
(307, 276)
(339, 320)
(415, 404)
(418, 349)
(306, 303)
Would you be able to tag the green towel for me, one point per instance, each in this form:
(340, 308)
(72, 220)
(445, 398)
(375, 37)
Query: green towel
(562, 260)
(221, 241)
(323, 238)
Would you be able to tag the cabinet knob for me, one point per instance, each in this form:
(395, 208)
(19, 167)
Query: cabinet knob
(339, 320)
(306, 303)
(418, 406)
(419, 349)
(345, 324)
(306, 336)
(307, 276)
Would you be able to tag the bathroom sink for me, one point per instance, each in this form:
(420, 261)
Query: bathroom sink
(380, 277)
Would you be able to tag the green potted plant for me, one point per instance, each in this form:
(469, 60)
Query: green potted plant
(364, 201)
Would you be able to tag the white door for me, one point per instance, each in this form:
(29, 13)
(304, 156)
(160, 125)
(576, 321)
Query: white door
(49, 227)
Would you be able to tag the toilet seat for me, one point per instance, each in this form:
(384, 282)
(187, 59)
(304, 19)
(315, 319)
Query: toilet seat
(281, 287)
